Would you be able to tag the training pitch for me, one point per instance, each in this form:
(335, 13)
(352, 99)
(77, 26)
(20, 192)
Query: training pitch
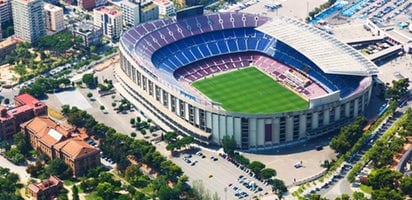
(250, 91)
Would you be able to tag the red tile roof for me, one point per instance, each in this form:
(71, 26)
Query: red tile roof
(26, 99)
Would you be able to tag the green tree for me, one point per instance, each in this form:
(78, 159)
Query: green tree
(58, 168)
(279, 187)
(14, 156)
(75, 191)
(406, 185)
(65, 109)
(89, 80)
(256, 166)
(267, 173)
(229, 145)
(385, 194)
(358, 196)
(21, 143)
(383, 178)
(106, 190)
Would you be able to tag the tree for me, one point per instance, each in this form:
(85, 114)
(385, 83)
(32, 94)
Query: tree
(21, 143)
(383, 178)
(279, 187)
(358, 196)
(132, 121)
(89, 80)
(89, 95)
(229, 145)
(6, 101)
(406, 185)
(256, 166)
(267, 173)
(133, 134)
(75, 191)
(385, 194)
(58, 168)
(343, 197)
(398, 89)
(14, 156)
(101, 107)
(105, 190)
(65, 109)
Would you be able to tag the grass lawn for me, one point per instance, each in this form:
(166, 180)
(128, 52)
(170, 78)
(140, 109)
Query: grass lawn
(366, 189)
(250, 91)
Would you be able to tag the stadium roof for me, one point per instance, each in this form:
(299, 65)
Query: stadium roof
(329, 54)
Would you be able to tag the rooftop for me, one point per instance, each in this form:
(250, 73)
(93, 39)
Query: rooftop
(8, 42)
(51, 7)
(45, 184)
(163, 2)
(109, 10)
(26, 99)
(148, 7)
(328, 53)
(67, 139)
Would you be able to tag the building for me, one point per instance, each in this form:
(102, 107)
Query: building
(87, 4)
(29, 20)
(7, 46)
(100, 3)
(54, 17)
(25, 108)
(110, 20)
(166, 7)
(47, 189)
(130, 14)
(90, 33)
(5, 11)
(62, 141)
(148, 11)
(158, 65)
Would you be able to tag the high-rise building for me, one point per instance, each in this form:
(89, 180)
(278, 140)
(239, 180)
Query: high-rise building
(29, 20)
(166, 7)
(148, 11)
(130, 14)
(87, 4)
(136, 12)
(54, 17)
(109, 19)
(5, 11)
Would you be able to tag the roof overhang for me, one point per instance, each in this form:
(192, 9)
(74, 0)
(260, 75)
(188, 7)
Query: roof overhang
(328, 53)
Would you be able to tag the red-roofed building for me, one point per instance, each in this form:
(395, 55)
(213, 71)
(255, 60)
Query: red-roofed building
(62, 141)
(47, 189)
(25, 108)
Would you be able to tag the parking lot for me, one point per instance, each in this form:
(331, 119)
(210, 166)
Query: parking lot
(218, 175)
(291, 8)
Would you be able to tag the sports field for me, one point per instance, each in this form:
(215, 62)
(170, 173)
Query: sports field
(250, 91)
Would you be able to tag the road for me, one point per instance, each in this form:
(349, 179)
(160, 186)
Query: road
(20, 170)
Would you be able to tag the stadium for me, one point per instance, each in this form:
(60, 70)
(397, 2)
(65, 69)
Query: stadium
(267, 82)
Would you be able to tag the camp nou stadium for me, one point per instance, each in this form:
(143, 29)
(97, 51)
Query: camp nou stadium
(268, 82)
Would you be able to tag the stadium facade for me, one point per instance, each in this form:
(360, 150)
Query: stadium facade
(160, 60)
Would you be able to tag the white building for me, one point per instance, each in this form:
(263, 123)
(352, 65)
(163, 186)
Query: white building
(54, 17)
(29, 20)
(110, 20)
(130, 14)
(166, 7)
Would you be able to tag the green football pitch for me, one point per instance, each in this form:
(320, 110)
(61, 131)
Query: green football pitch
(250, 91)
